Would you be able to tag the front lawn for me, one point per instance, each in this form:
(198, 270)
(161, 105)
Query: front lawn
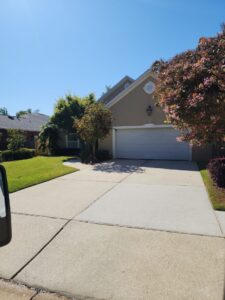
(28, 172)
(216, 194)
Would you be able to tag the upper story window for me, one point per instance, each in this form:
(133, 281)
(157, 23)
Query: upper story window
(126, 85)
(149, 87)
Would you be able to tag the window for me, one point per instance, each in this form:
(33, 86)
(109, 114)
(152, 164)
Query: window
(126, 85)
(149, 87)
(72, 141)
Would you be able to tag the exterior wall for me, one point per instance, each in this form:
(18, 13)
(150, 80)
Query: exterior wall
(107, 143)
(131, 110)
(203, 153)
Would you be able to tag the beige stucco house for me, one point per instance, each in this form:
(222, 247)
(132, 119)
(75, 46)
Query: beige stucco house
(139, 130)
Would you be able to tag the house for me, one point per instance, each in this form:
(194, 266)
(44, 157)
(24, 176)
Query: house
(139, 130)
(30, 124)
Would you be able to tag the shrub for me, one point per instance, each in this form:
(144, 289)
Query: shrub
(67, 152)
(217, 170)
(16, 139)
(103, 155)
(22, 153)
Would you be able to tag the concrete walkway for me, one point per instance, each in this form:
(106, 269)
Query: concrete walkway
(119, 230)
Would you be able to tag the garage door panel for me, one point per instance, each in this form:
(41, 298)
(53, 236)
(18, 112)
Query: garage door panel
(149, 143)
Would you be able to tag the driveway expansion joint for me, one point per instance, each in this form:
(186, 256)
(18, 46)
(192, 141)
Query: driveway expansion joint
(149, 229)
(41, 216)
(40, 250)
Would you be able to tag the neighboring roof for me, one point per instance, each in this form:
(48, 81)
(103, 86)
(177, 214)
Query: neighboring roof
(105, 98)
(135, 83)
(28, 122)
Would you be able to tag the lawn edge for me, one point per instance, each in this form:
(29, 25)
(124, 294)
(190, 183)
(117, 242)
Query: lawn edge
(210, 187)
(52, 178)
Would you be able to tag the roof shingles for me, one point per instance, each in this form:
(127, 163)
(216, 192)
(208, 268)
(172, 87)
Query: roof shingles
(28, 122)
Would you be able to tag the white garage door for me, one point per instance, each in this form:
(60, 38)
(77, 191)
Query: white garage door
(150, 143)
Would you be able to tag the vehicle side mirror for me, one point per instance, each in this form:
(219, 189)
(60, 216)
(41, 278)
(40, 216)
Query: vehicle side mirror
(5, 215)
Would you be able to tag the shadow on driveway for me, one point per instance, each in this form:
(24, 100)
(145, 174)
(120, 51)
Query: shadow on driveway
(172, 165)
(120, 166)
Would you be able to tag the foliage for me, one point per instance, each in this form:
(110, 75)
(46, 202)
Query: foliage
(95, 124)
(85, 154)
(217, 170)
(48, 138)
(21, 113)
(191, 90)
(16, 139)
(21, 173)
(103, 155)
(216, 194)
(3, 111)
(68, 108)
(22, 153)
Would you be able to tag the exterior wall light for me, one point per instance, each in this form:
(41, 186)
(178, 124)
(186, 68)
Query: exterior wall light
(149, 110)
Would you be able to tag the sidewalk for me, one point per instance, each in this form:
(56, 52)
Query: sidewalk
(11, 291)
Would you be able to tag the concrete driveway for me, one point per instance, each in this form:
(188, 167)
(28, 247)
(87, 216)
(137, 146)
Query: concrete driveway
(119, 230)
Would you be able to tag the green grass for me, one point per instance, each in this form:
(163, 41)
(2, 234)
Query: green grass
(28, 172)
(216, 194)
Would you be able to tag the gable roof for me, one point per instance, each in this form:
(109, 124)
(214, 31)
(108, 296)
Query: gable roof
(138, 81)
(28, 122)
(105, 98)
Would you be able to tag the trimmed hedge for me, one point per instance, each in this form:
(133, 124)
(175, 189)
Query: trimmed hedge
(22, 153)
(216, 168)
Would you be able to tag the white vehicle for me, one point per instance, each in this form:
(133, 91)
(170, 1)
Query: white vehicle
(5, 215)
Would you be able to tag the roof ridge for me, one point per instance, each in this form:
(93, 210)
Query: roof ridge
(126, 77)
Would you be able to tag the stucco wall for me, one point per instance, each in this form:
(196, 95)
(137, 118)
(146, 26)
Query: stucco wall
(131, 110)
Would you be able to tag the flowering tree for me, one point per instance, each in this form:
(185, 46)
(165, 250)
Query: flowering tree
(191, 90)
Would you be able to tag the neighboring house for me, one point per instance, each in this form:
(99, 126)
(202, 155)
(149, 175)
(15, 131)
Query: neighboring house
(30, 124)
(139, 130)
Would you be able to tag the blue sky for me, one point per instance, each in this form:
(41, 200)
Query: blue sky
(52, 47)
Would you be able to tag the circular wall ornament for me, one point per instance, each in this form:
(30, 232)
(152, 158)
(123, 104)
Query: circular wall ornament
(149, 87)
